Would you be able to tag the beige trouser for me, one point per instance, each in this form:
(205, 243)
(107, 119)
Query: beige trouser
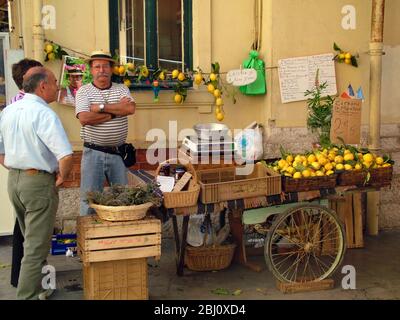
(35, 200)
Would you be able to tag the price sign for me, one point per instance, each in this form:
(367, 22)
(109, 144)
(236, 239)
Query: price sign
(346, 120)
(241, 77)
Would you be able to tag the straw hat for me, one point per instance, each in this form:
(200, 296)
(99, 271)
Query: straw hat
(100, 55)
(74, 72)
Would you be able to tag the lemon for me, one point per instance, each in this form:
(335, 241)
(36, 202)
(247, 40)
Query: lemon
(347, 151)
(291, 170)
(213, 77)
(219, 102)
(360, 156)
(348, 157)
(220, 116)
(127, 82)
(217, 110)
(313, 174)
(289, 158)
(339, 166)
(298, 159)
(347, 55)
(368, 157)
(130, 66)
(347, 61)
(275, 168)
(282, 163)
(366, 164)
(322, 161)
(385, 165)
(175, 74)
(348, 167)
(217, 93)
(305, 163)
(338, 159)
(210, 88)
(331, 156)
(178, 98)
(287, 174)
(161, 76)
(358, 166)
(51, 56)
(48, 48)
(121, 70)
(319, 173)
(341, 56)
(116, 70)
(181, 76)
(198, 78)
(329, 172)
(306, 173)
(297, 175)
(328, 166)
(316, 165)
(379, 160)
(311, 158)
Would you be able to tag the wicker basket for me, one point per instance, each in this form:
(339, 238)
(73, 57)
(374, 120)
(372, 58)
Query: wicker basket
(306, 184)
(209, 258)
(379, 177)
(121, 213)
(181, 199)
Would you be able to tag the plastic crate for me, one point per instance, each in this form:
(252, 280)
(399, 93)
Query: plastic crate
(61, 242)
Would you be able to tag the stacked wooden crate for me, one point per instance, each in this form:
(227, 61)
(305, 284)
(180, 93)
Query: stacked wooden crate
(114, 256)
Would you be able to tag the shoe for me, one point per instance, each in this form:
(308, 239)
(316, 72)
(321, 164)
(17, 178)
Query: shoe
(46, 294)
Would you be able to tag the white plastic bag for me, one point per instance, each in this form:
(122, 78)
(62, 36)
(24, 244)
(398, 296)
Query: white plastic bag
(196, 231)
(249, 144)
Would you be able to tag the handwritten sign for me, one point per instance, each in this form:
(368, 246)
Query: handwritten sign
(296, 75)
(241, 77)
(346, 120)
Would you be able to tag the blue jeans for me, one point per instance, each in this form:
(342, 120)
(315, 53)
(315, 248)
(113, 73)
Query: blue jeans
(96, 168)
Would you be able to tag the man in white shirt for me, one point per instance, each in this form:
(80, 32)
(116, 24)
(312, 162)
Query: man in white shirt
(36, 150)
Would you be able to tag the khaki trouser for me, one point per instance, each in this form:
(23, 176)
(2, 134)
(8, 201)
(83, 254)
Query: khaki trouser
(35, 200)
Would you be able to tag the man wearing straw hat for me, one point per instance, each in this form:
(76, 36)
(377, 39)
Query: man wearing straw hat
(74, 75)
(102, 108)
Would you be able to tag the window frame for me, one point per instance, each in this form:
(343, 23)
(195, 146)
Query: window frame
(151, 38)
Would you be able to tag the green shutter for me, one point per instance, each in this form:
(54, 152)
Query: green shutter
(187, 34)
(113, 25)
(151, 34)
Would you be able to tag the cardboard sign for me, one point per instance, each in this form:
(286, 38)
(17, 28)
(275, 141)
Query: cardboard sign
(346, 121)
(241, 77)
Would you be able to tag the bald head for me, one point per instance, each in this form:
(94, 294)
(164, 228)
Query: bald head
(42, 82)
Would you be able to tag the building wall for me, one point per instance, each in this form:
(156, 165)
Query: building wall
(223, 32)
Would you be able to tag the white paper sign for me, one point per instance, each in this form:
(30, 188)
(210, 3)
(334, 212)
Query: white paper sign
(296, 75)
(166, 183)
(241, 77)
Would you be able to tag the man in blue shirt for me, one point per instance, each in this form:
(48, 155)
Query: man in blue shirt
(36, 150)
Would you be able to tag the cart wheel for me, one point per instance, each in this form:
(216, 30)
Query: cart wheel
(306, 243)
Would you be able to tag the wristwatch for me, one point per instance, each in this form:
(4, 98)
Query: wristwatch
(101, 108)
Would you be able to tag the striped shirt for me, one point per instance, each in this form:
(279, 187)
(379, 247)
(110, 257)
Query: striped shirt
(109, 133)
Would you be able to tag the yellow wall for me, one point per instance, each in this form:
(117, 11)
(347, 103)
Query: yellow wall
(223, 32)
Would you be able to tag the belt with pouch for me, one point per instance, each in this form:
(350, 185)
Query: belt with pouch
(105, 149)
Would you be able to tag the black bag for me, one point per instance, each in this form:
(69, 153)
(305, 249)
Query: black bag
(128, 153)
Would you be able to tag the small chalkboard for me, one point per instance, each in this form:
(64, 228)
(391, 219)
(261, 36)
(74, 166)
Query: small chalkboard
(346, 120)
(241, 77)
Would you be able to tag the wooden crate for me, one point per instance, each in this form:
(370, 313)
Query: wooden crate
(223, 184)
(325, 284)
(100, 240)
(379, 177)
(349, 209)
(116, 280)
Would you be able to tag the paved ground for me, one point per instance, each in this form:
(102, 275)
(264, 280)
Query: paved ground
(377, 267)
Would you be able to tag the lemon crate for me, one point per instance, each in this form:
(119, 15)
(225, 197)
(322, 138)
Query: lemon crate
(379, 177)
(222, 184)
(307, 184)
(100, 240)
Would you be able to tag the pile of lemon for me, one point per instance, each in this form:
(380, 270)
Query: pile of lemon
(325, 162)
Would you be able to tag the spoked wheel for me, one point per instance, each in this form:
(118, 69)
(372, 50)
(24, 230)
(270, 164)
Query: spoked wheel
(306, 243)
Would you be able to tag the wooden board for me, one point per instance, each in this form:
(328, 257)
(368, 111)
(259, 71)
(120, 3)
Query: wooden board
(123, 242)
(358, 221)
(119, 254)
(325, 284)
